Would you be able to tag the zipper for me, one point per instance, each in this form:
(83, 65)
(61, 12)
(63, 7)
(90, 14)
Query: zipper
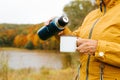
(89, 37)
(88, 60)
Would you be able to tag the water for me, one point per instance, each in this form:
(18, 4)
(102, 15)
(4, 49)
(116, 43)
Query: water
(18, 59)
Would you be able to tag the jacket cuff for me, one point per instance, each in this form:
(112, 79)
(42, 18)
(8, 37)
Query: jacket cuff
(101, 49)
(67, 31)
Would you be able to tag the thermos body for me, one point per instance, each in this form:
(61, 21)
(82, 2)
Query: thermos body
(53, 28)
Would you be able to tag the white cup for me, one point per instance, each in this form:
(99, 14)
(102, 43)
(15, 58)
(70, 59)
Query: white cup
(68, 43)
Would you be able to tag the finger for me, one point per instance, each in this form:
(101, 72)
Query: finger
(47, 22)
(60, 33)
(83, 48)
(79, 41)
(80, 48)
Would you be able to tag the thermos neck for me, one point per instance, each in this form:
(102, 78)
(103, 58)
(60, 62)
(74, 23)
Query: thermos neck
(62, 21)
(57, 23)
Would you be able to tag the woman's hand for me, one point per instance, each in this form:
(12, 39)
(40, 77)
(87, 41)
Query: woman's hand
(57, 36)
(47, 22)
(86, 46)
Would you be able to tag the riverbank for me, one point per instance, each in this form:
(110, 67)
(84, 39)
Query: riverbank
(35, 50)
(22, 64)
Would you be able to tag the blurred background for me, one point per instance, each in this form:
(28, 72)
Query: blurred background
(23, 55)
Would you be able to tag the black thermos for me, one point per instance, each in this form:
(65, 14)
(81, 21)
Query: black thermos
(54, 27)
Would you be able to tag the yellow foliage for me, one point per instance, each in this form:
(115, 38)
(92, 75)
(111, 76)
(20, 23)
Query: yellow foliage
(30, 37)
(20, 40)
(36, 40)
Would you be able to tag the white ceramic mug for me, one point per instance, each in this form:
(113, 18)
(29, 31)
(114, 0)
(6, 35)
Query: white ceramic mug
(68, 43)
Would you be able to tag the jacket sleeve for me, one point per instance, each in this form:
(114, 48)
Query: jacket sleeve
(68, 32)
(108, 52)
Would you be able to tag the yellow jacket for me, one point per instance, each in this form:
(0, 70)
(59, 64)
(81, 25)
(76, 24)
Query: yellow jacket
(107, 31)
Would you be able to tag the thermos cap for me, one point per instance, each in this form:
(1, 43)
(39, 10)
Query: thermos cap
(63, 20)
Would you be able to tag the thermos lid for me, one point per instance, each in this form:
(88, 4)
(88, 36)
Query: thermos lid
(63, 20)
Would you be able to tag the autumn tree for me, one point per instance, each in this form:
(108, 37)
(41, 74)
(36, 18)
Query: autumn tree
(76, 11)
(1, 42)
(29, 45)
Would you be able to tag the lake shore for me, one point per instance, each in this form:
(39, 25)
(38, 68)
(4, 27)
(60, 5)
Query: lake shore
(26, 64)
(34, 50)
